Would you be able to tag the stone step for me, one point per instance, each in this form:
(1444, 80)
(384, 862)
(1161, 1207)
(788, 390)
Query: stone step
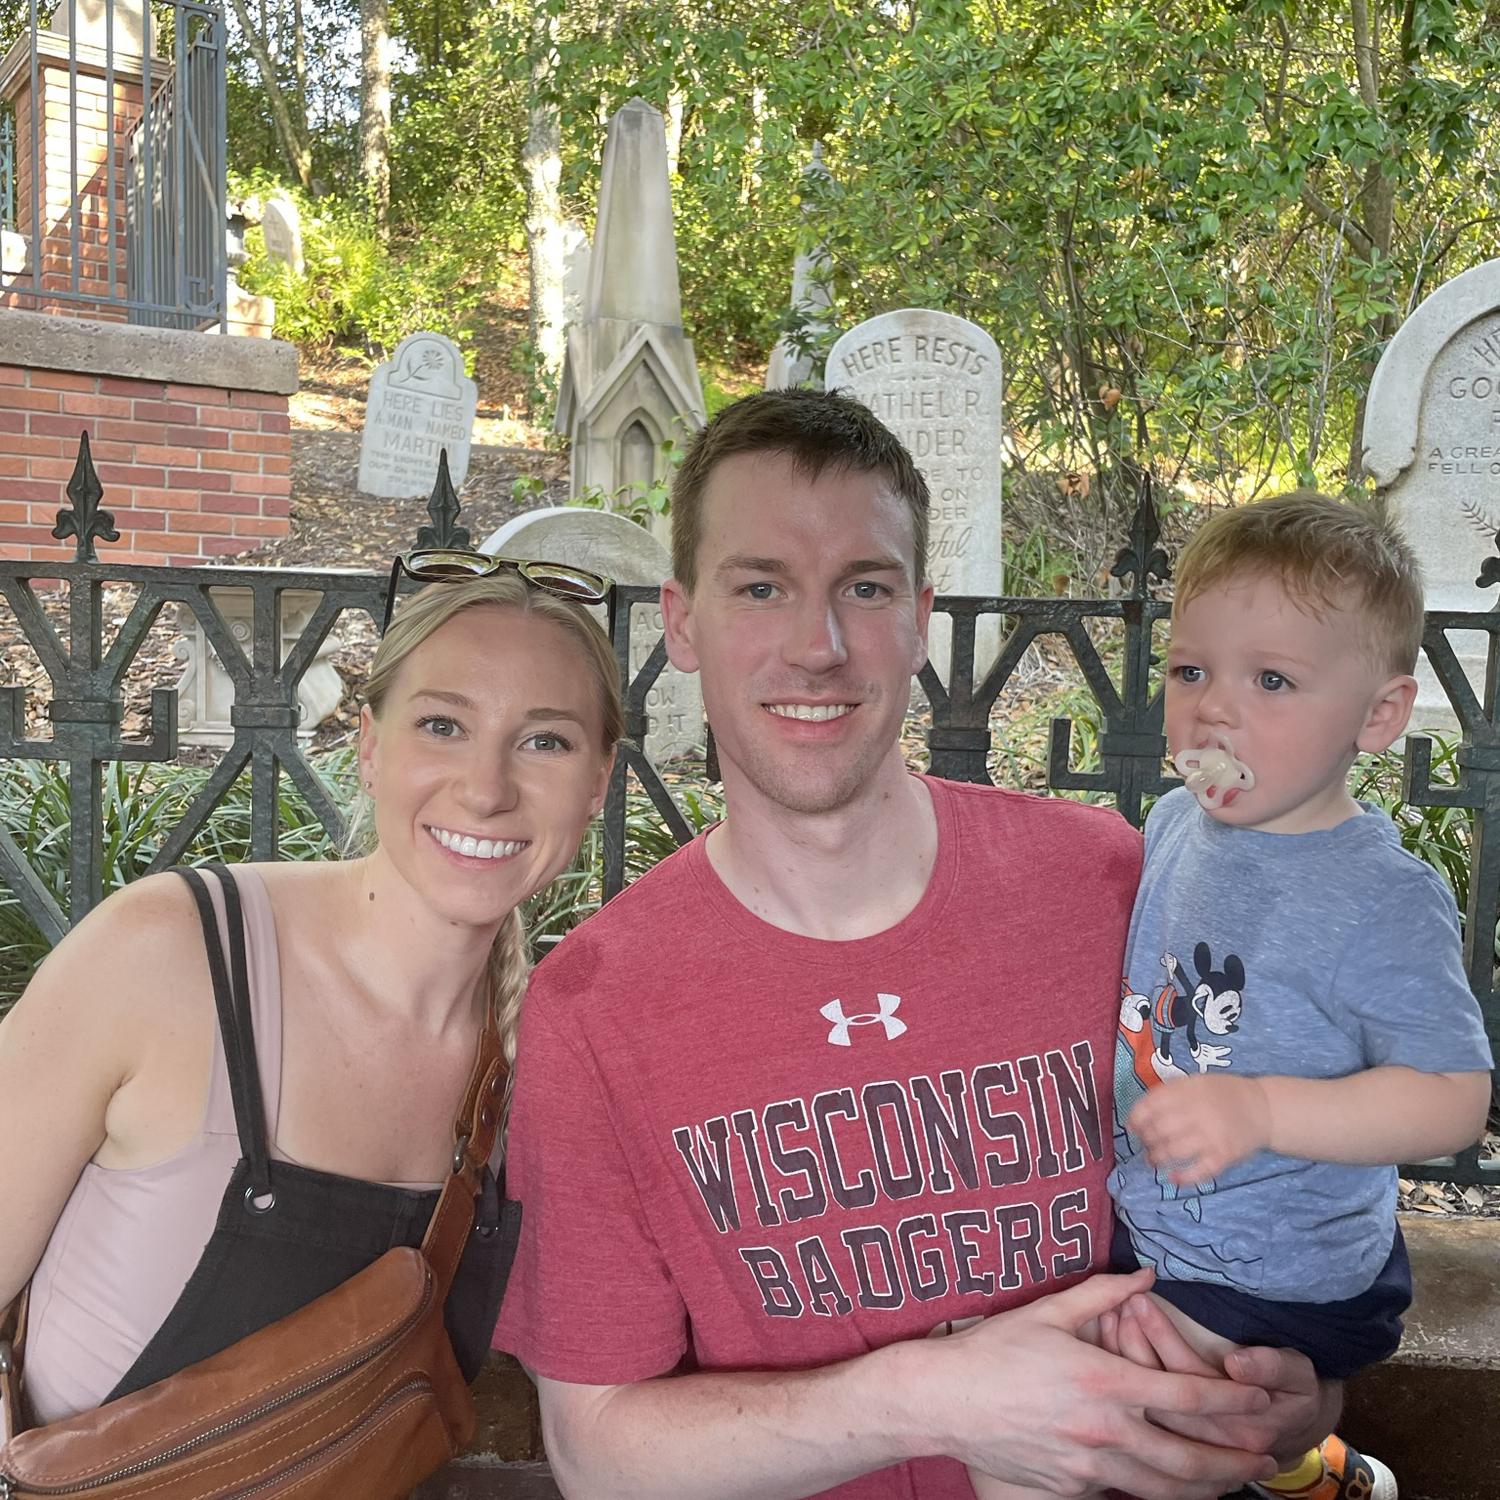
(1430, 1413)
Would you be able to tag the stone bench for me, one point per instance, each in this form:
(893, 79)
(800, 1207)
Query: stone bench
(1431, 1412)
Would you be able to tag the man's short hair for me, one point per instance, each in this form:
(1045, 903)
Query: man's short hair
(817, 430)
(1327, 555)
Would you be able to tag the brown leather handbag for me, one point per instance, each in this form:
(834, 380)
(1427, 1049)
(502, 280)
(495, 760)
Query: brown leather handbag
(356, 1394)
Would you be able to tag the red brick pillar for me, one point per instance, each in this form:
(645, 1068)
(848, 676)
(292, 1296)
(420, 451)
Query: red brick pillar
(72, 150)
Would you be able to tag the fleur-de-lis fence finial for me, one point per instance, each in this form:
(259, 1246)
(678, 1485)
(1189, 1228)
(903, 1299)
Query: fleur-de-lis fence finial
(84, 519)
(1143, 557)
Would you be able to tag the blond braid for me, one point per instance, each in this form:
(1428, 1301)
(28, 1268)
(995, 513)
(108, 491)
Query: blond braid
(509, 970)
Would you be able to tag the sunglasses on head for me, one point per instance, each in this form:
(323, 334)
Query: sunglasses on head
(446, 565)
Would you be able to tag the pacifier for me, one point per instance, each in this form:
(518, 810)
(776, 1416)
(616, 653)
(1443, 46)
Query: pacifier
(1213, 775)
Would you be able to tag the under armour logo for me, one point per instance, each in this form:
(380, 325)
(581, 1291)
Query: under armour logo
(885, 1016)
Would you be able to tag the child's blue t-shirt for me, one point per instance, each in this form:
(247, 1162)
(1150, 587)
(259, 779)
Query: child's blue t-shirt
(1314, 955)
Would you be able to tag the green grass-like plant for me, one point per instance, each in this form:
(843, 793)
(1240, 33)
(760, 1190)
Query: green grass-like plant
(144, 801)
(1442, 836)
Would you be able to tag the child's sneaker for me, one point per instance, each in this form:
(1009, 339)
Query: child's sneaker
(1347, 1475)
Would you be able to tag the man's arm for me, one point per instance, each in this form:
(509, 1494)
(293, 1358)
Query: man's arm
(1019, 1395)
(1196, 1127)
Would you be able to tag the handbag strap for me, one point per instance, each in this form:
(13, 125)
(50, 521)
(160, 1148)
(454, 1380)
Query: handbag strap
(473, 1144)
(232, 997)
(12, 1347)
(478, 1117)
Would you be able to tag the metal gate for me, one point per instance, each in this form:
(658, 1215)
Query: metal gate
(175, 225)
(118, 161)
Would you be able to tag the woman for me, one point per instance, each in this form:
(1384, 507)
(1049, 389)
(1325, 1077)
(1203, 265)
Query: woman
(485, 747)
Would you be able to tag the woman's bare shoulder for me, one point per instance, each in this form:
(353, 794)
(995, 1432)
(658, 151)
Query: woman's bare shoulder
(116, 959)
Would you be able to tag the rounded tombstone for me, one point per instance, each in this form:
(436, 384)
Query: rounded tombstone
(603, 542)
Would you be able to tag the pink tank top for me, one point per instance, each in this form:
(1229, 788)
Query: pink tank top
(127, 1241)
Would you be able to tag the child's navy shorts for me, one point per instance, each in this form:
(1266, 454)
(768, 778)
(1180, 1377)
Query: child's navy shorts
(1340, 1338)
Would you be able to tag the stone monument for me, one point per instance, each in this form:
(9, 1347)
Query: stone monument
(576, 254)
(281, 223)
(812, 297)
(630, 378)
(934, 380)
(614, 545)
(1432, 445)
(420, 403)
(205, 691)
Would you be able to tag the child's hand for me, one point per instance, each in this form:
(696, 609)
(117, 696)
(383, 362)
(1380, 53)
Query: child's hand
(1197, 1126)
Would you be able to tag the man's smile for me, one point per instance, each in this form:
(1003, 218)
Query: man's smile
(816, 712)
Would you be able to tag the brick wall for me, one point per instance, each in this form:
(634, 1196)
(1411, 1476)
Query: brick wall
(190, 471)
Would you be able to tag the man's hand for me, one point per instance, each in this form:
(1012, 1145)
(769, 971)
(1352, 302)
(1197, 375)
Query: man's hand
(1022, 1396)
(1196, 1127)
(1302, 1411)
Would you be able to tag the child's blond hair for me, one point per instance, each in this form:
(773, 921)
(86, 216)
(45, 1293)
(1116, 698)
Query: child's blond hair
(1326, 554)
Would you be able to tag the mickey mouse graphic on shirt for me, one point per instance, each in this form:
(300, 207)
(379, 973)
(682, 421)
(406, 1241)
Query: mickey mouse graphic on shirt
(1143, 1057)
(1214, 1004)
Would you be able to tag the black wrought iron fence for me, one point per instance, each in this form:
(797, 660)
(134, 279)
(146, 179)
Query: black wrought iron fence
(87, 678)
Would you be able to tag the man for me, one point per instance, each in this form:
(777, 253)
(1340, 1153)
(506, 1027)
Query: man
(837, 1075)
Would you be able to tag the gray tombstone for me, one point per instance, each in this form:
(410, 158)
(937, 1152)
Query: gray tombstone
(630, 378)
(420, 403)
(281, 223)
(606, 543)
(1432, 445)
(934, 380)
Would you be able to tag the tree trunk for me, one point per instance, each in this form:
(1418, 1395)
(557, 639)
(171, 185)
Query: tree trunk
(294, 144)
(675, 106)
(299, 63)
(375, 106)
(750, 173)
(542, 161)
(1377, 204)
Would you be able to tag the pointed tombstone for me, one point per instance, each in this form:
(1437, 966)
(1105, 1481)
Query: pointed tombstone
(1432, 445)
(812, 297)
(630, 378)
(576, 254)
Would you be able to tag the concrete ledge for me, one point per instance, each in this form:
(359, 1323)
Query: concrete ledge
(1430, 1412)
(43, 341)
(472, 1480)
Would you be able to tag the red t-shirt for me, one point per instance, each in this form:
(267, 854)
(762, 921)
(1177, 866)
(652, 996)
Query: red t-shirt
(742, 1149)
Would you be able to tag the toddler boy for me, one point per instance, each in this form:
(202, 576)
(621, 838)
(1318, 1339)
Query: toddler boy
(1295, 1016)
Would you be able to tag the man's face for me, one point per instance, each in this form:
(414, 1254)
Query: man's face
(1295, 695)
(806, 626)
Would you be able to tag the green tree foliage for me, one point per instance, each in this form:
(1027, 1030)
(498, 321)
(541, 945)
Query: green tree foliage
(1170, 219)
(1190, 227)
